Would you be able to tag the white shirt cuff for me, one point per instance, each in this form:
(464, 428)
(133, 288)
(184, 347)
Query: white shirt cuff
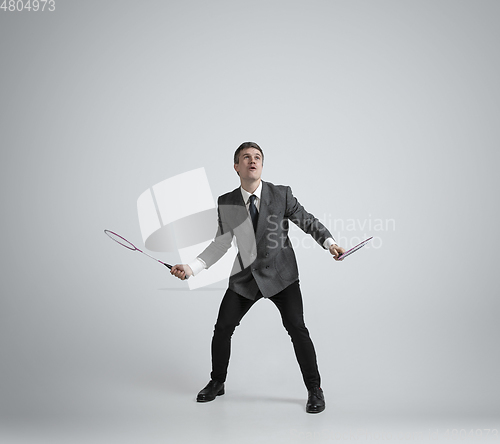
(197, 265)
(328, 243)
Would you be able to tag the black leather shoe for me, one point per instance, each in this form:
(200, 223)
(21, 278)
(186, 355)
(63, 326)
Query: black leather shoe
(315, 401)
(213, 389)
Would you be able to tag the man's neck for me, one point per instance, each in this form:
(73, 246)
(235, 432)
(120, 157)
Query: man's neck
(251, 185)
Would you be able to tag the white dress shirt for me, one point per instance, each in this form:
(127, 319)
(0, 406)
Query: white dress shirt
(246, 197)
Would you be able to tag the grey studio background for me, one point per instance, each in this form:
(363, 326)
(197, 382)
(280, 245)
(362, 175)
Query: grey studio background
(379, 112)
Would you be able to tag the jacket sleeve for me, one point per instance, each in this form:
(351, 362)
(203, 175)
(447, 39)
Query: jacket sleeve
(221, 243)
(304, 220)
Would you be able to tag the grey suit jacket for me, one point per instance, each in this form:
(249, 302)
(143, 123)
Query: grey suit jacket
(266, 260)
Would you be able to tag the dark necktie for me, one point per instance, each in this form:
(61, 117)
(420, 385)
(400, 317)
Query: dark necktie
(254, 214)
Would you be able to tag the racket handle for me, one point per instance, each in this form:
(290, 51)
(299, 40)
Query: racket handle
(170, 267)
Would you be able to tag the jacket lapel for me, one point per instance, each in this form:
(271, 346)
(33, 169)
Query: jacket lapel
(235, 198)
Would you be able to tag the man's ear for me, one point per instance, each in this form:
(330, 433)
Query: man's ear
(236, 167)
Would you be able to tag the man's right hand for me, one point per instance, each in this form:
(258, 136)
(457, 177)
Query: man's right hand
(181, 271)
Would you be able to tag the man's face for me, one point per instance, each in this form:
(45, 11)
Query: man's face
(250, 164)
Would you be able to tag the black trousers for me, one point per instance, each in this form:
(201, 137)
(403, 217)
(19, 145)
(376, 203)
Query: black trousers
(289, 302)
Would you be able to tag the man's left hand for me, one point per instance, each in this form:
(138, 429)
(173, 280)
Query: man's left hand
(336, 251)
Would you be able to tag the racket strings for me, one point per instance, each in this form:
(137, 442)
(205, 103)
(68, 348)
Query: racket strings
(121, 240)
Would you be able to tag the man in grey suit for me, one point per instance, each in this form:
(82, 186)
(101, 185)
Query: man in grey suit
(257, 215)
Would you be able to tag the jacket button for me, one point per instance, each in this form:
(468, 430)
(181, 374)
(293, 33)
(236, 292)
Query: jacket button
(267, 266)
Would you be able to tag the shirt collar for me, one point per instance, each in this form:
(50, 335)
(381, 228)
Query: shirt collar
(246, 195)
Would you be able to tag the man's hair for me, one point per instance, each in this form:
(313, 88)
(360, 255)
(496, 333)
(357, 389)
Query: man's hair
(244, 146)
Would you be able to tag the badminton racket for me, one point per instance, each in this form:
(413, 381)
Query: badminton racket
(127, 244)
(354, 249)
